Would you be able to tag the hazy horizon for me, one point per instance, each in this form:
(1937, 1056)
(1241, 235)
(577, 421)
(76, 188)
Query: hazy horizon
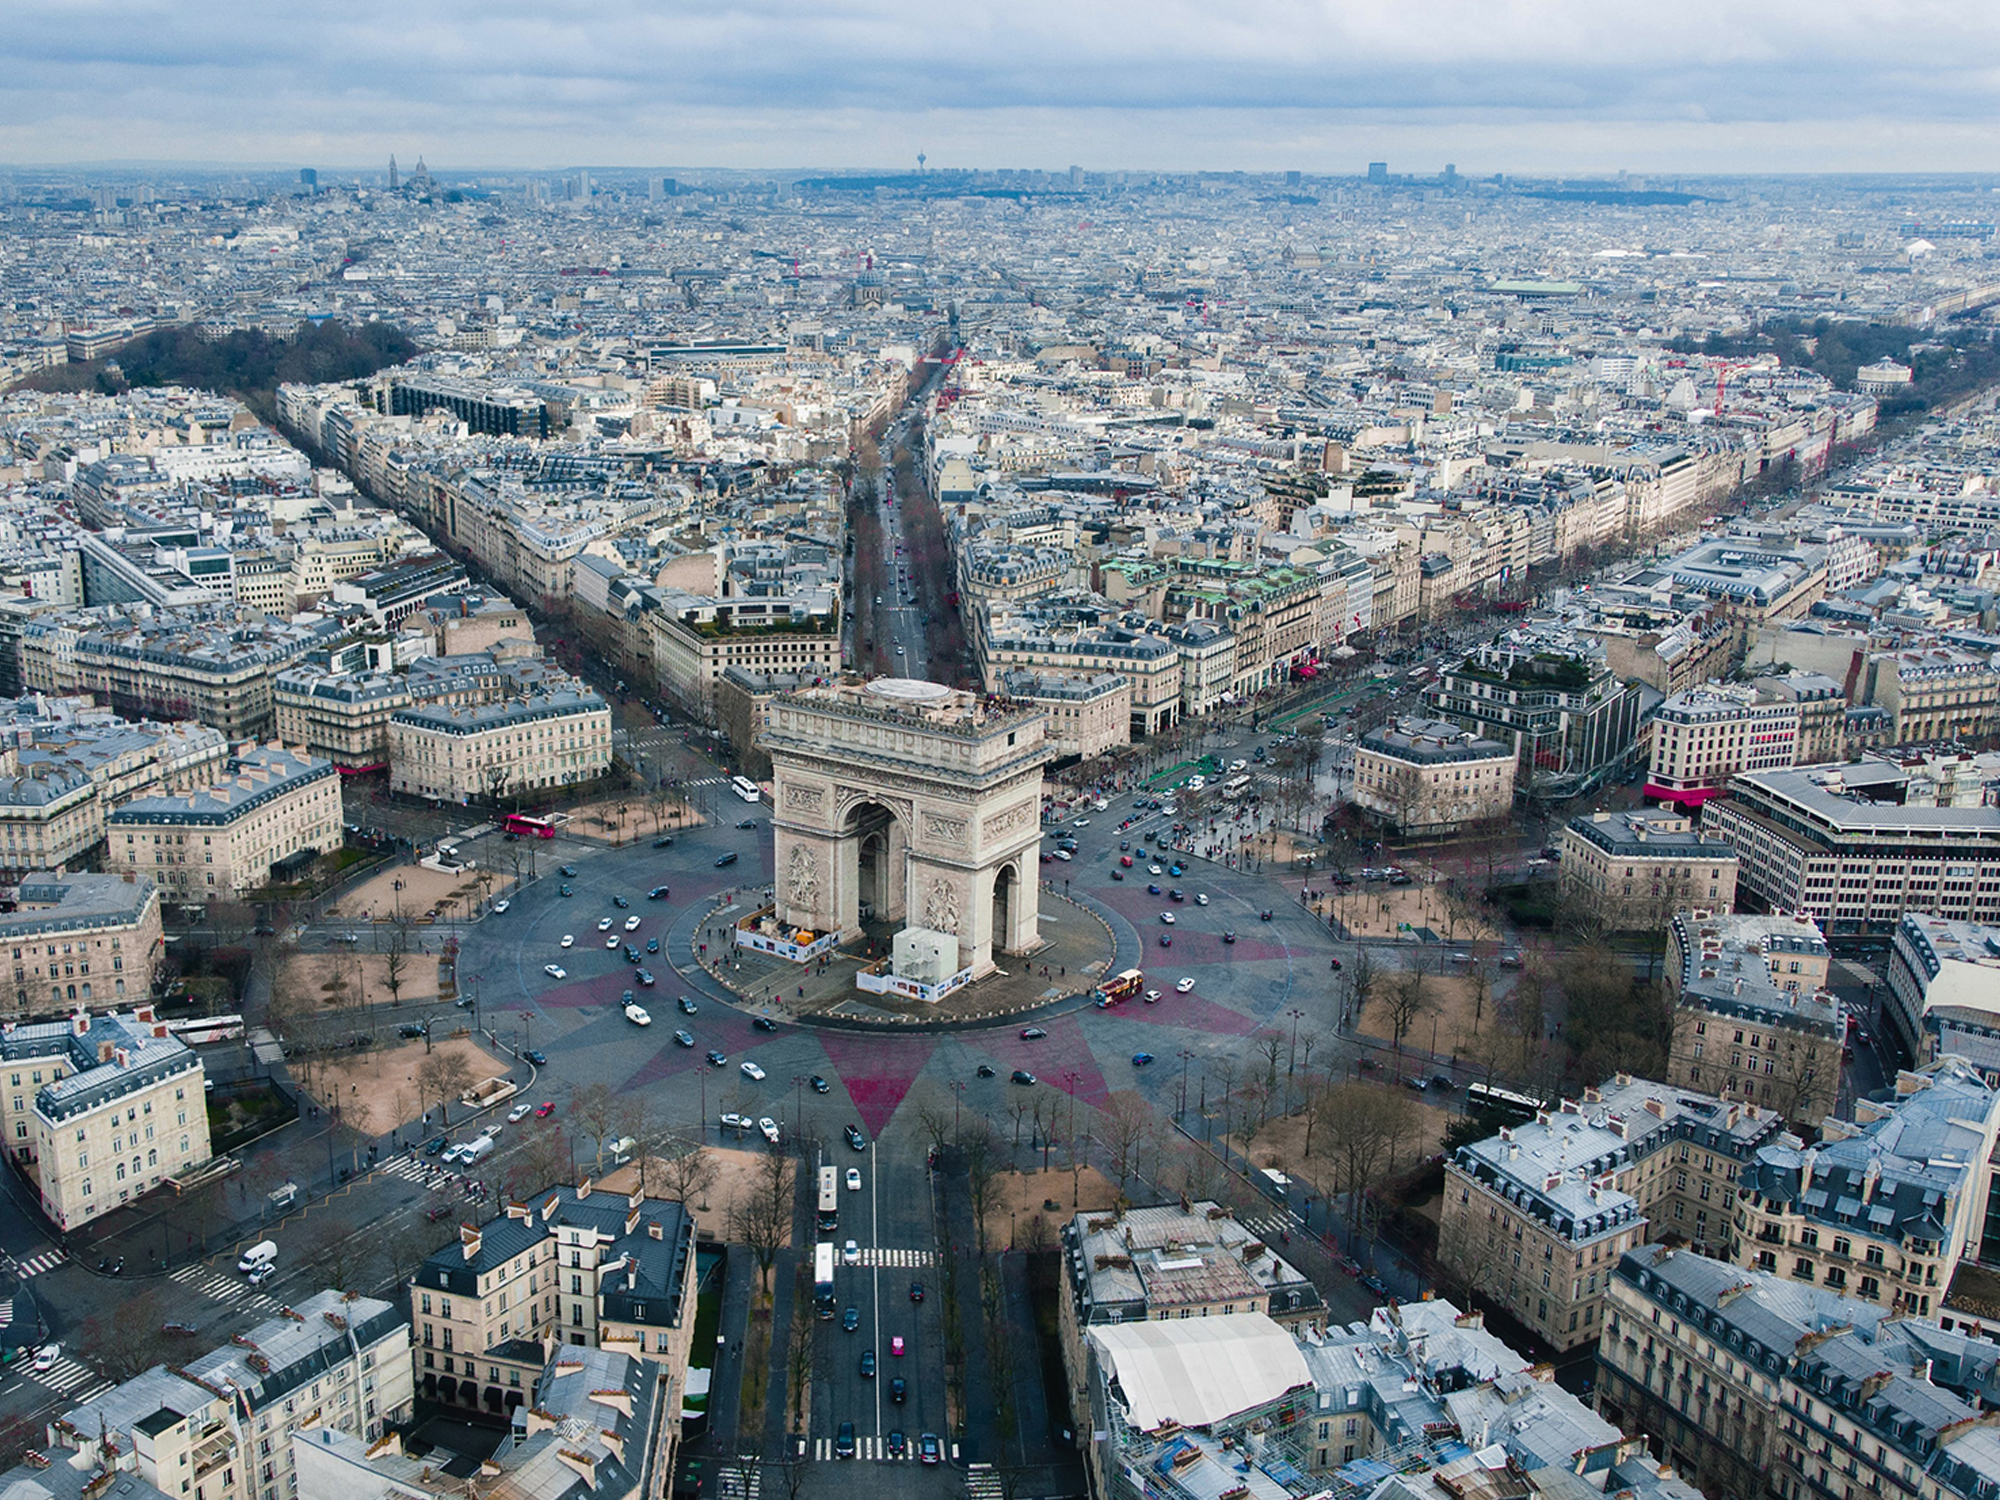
(1556, 87)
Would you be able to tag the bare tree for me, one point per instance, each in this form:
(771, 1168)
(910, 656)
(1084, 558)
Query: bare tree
(123, 1340)
(760, 1216)
(689, 1172)
(1406, 994)
(1361, 975)
(1127, 1126)
(396, 962)
(1364, 1128)
(594, 1110)
(443, 1076)
(982, 1155)
(543, 1159)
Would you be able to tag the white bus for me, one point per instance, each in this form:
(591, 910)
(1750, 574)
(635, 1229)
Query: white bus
(1235, 787)
(829, 1199)
(745, 788)
(823, 1279)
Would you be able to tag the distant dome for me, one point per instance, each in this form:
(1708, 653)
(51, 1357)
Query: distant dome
(907, 690)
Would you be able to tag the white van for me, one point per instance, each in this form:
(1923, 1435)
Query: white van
(477, 1149)
(259, 1255)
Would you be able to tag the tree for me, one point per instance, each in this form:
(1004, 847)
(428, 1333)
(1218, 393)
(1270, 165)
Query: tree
(1127, 1124)
(443, 1076)
(1364, 1128)
(1406, 993)
(689, 1172)
(337, 1252)
(1617, 1023)
(543, 1160)
(982, 1170)
(760, 1216)
(123, 1341)
(594, 1111)
(1360, 982)
(397, 961)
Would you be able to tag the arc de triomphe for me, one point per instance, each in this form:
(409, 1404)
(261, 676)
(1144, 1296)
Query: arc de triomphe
(920, 801)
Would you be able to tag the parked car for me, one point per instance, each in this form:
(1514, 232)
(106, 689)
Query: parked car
(536, 1056)
(1022, 1075)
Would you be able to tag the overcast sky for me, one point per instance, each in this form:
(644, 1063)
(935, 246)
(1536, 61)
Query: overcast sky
(1492, 85)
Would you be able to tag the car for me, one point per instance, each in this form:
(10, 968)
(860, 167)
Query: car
(652, 945)
(854, 1179)
(664, 841)
(536, 1056)
(519, 1113)
(1125, 844)
(1081, 823)
(851, 1319)
(568, 872)
(747, 823)
(568, 940)
(1186, 984)
(1032, 1033)
(727, 859)
(565, 891)
(687, 1006)
(929, 1449)
(819, 1085)
(1153, 889)
(984, 1070)
(500, 906)
(555, 971)
(855, 1138)
(718, 1059)
(1152, 997)
(850, 1254)
(1167, 918)
(685, 1038)
(1229, 936)
(1176, 894)
(604, 924)
(1174, 871)
(1375, 1284)
(1201, 898)
(612, 941)
(916, 1291)
(1419, 1085)
(410, 1031)
(1335, 963)
(1154, 870)
(1440, 1081)
(631, 924)
(645, 978)
(867, 1355)
(768, 1128)
(620, 902)
(898, 1445)
(896, 1345)
(1142, 1059)
(1124, 861)
(435, 1145)
(46, 1357)
(657, 893)
(737, 1122)
(1022, 1075)
(544, 1109)
(763, 1023)
(843, 1444)
(1064, 855)
(752, 1072)
(1166, 940)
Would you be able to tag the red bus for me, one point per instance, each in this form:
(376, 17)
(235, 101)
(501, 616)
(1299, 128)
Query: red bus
(541, 828)
(1120, 988)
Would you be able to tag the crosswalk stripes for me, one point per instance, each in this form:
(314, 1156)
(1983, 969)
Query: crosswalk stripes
(873, 1449)
(981, 1483)
(34, 1265)
(908, 1260)
(1272, 1225)
(739, 1481)
(212, 1283)
(65, 1375)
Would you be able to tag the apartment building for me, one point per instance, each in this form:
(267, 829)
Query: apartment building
(99, 1110)
(1822, 703)
(1838, 843)
(1749, 581)
(574, 1266)
(1550, 696)
(1086, 715)
(342, 716)
(50, 816)
(1153, 1264)
(1937, 694)
(221, 1426)
(1753, 1019)
(1944, 991)
(1536, 1217)
(1884, 1208)
(1704, 735)
(1208, 665)
(695, 639)
(264, 822)
(553, 737)
(1051, 642)
(1430, 778)
(1632, 871)
(80, 940)
(600, 1426)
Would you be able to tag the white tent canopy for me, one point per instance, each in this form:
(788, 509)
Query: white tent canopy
(1200, 1371)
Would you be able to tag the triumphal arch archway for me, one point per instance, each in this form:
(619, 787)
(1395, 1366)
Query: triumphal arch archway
(918, 800)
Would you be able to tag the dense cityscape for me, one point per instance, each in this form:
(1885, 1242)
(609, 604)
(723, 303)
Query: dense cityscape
(1158, 836)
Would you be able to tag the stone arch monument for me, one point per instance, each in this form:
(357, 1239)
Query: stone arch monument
(919, 801)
